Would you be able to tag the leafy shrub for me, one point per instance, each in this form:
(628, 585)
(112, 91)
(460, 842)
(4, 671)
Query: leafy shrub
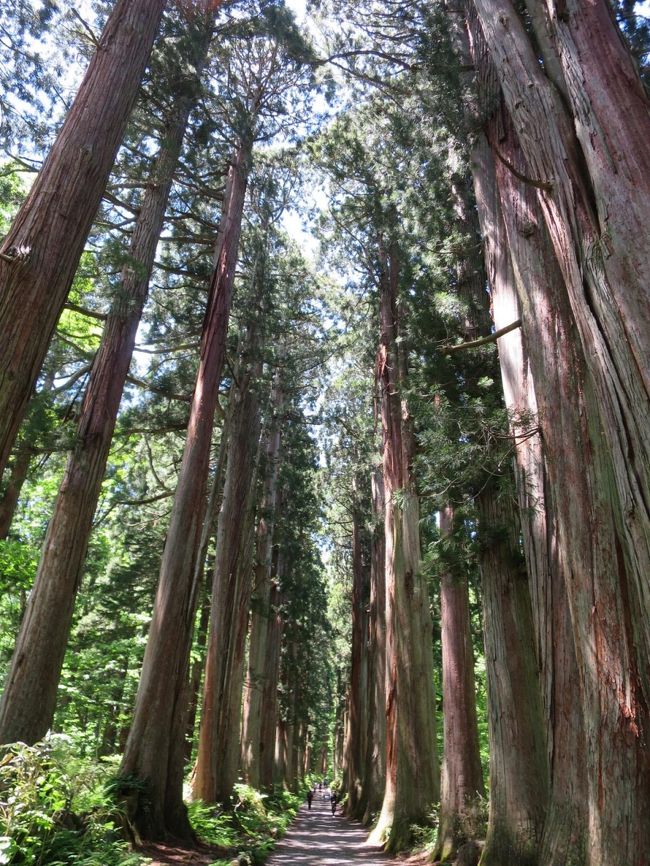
(54, 809)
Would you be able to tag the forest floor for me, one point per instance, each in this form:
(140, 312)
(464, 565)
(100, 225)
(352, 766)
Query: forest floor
(168, 855)
(316, 838)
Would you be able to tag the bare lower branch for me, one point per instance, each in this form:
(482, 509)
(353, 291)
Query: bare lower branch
(484, 341)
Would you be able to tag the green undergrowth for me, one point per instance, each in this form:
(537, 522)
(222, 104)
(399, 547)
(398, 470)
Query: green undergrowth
(56, 809)
(251, 827)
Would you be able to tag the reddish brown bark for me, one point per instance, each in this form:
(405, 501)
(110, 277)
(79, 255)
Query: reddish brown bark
(218, 755)
(411, 761)
(564, 829)
(375, 759)
(30, 694)
(154, 751)
(598, 469)
(261, 609)
(271, 680)
(462, 777)
(354, 750)
(17, 477)
(518, 767)
(203, 588)
(41, 252)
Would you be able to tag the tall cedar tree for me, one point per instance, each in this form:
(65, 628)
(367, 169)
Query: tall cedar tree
(580, 175)
(30, 693)
(412, 784)
(218, 756)
(40, 254)
(155, 750)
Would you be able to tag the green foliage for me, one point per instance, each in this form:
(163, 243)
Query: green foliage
(251, 827)
(18, 562)
(55, 809)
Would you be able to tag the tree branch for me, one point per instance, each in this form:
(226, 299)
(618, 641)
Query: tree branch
(484, 341)
(86, 312)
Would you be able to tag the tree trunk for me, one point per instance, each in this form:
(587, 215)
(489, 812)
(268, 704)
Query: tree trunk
(42, 250)
(518, 767)
(30, 695)
(375, 767)
(290, 721)
(280, 756)
(462, 776)
(203, 588)
(155, 748)
(218, 755)
(261, 609)
(605, 275)
(271, 682)
(357, 721)
(17, 478)
(411, 761)
(565, 825)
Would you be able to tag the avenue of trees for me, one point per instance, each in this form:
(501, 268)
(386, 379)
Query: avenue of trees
(324, 442)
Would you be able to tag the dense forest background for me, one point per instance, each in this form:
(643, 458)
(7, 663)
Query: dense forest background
(324, 426)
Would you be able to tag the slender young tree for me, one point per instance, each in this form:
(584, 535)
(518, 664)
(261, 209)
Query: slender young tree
(40, 254)
(375, 761)
(270, 684)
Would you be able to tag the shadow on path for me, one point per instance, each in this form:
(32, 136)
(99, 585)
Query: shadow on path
(318, 838)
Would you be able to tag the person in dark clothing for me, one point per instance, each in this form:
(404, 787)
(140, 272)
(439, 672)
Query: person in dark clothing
(334, 800)
(310, 797)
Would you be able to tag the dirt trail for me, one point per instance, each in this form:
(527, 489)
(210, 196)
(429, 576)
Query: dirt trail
(318, 838)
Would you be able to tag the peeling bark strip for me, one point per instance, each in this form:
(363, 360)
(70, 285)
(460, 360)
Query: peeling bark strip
(29, 699)
(154, 750)
(52, 225)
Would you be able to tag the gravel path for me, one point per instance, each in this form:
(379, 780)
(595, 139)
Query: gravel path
(318, 838)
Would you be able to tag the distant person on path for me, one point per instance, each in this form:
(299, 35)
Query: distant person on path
(310, 797)
(334, 800)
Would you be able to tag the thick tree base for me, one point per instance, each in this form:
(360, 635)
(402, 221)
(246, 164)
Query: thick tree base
(144, 824)
(394, 837)
(503, 848)
(460, 830)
